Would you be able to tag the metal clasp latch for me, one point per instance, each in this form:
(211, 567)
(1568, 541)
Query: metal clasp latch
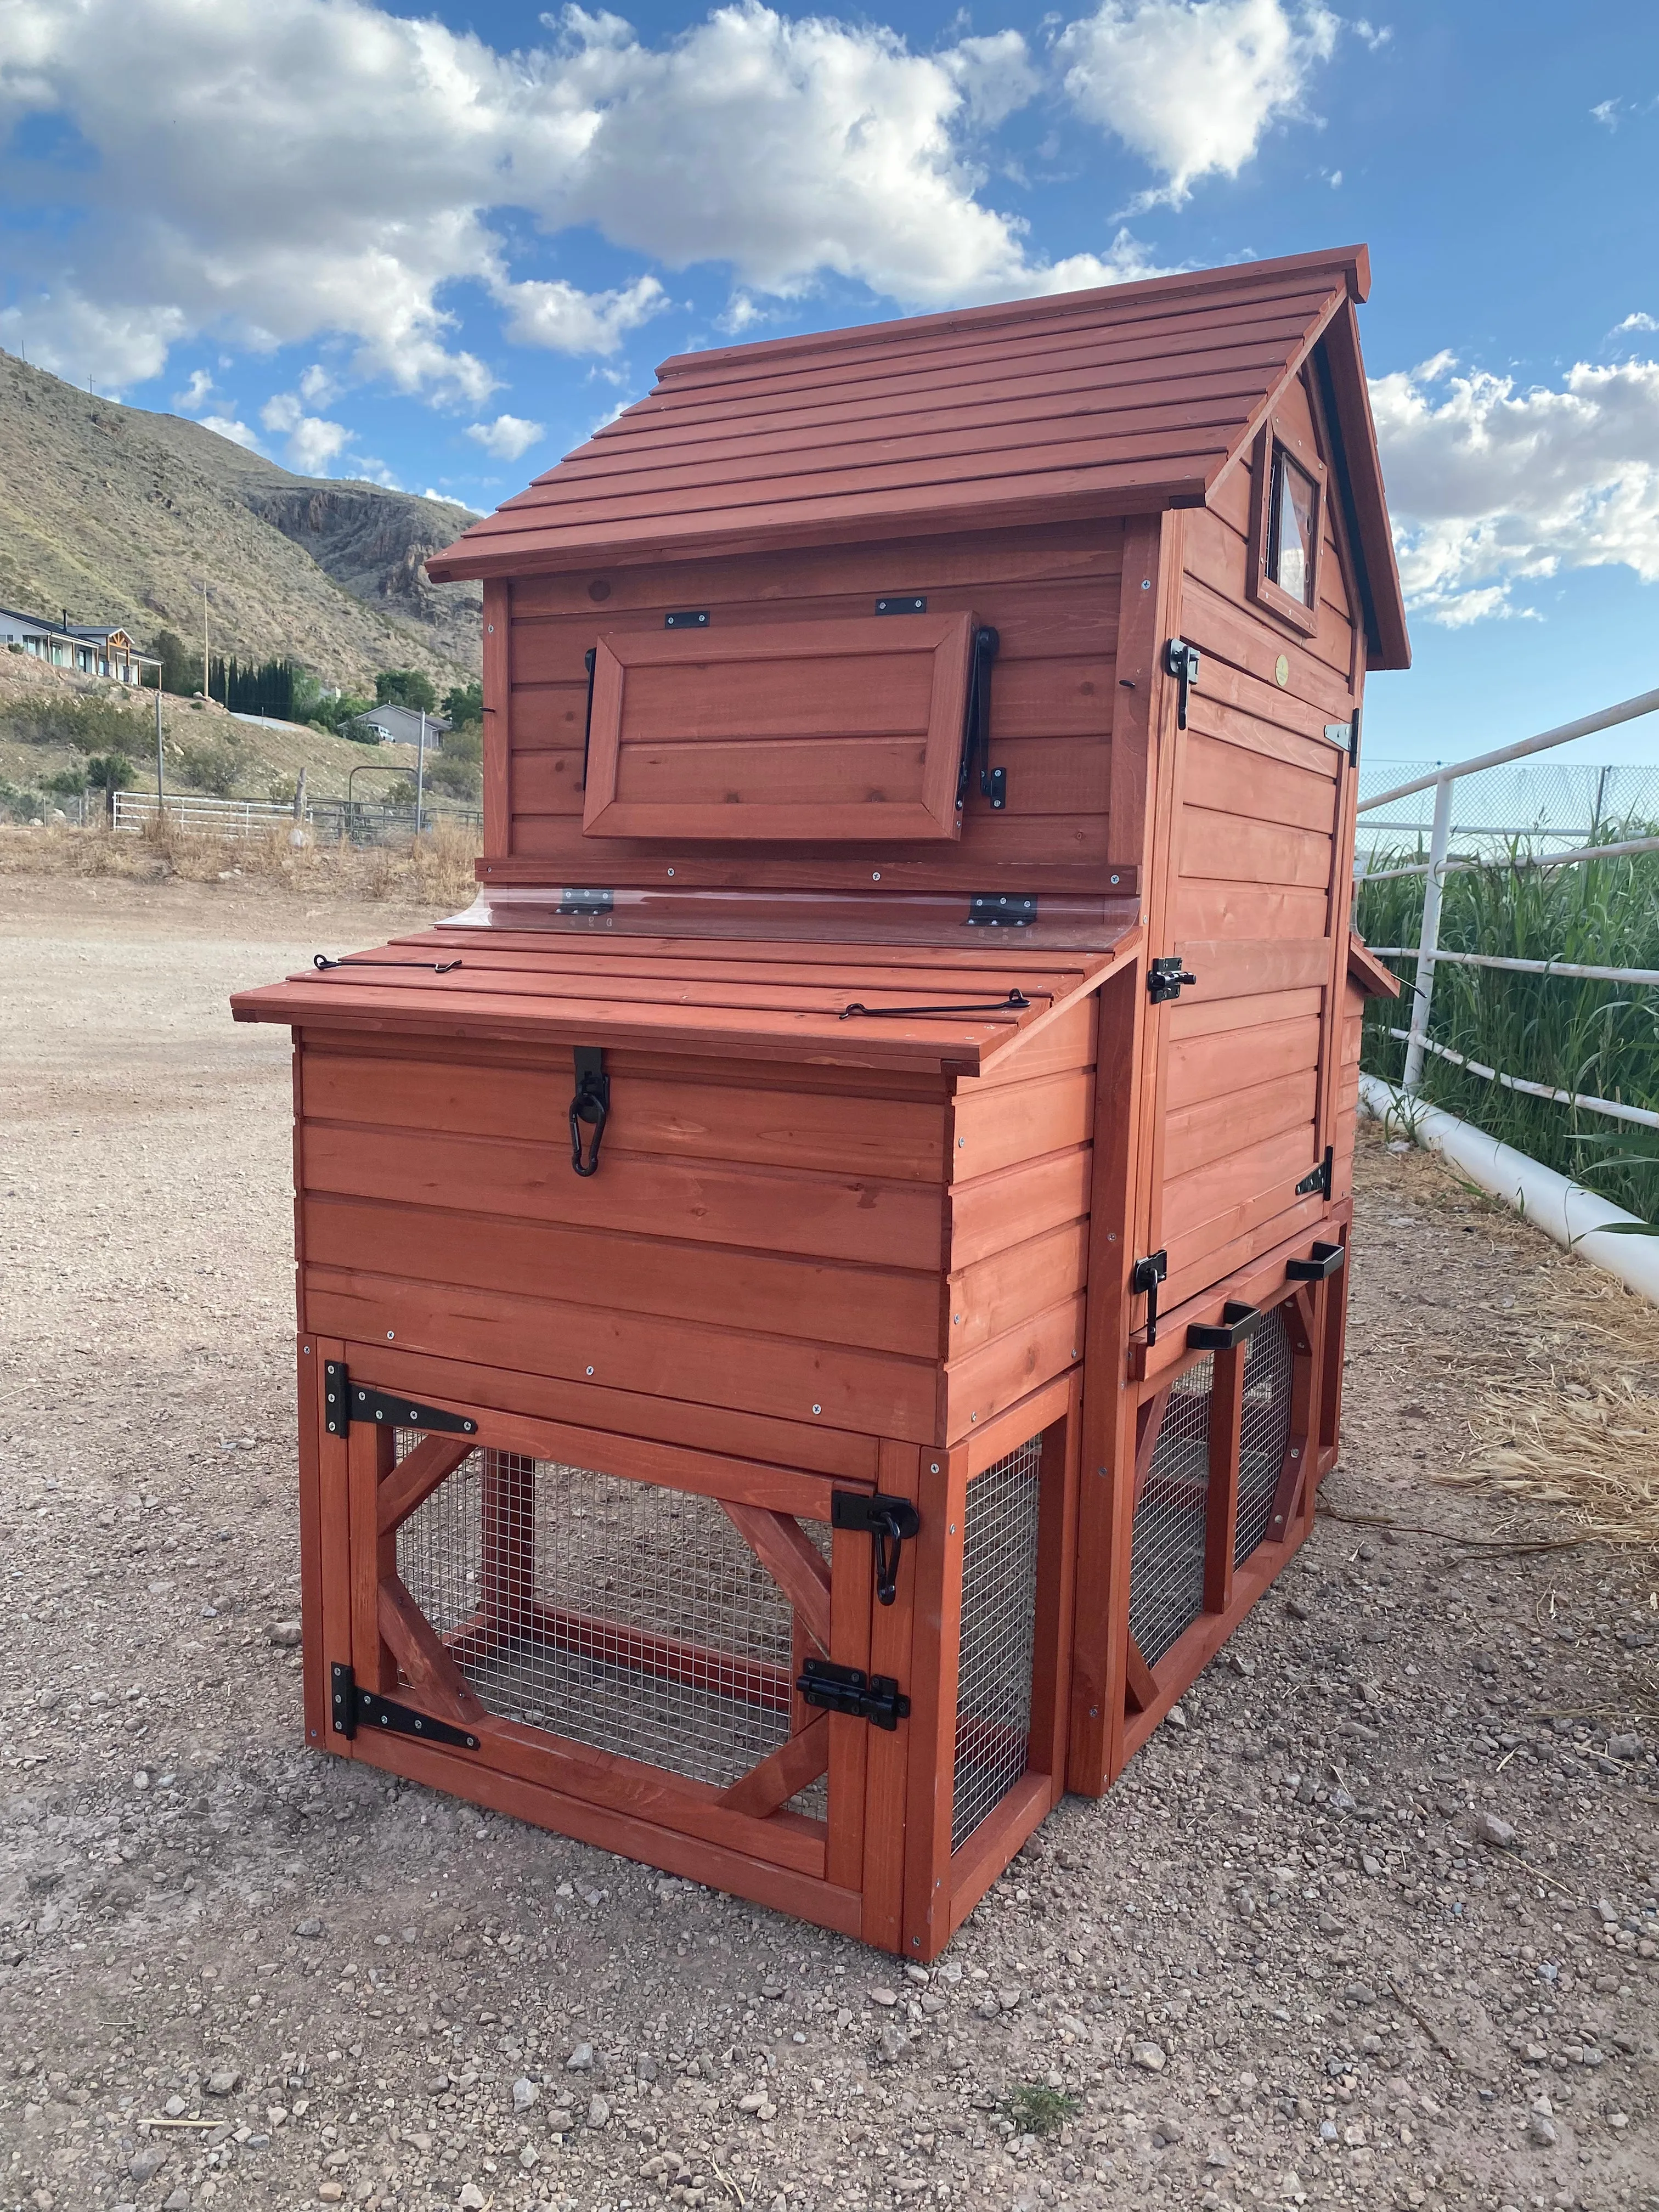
(1181, 660)
(591, 1104)
(1147, 1275)
(1165, 978)
(889, 1520)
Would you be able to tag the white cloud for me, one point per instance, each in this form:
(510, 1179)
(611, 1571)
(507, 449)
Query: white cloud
(1605, 111)
(195, 393)
(1493, 487)
(559, 316)
(312, 170)
(1193, 85)
(1640, 321)
(508, 436)
(312, 443)
(226, 426)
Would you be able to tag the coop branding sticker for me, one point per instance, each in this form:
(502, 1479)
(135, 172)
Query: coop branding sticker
(1281, 672)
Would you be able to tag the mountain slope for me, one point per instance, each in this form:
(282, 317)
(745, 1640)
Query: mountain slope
(117, 515)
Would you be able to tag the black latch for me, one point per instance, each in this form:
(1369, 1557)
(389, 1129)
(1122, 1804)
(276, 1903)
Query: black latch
(906, 602)
(1002, 910)
(1237, 1325)
(976, 727)
(352, 1705)
(876, 1697)
(582, 901)
(889, 1520)
(1327, 1259)
(1165, 978)
(1317, 1179)
(345, 1402)
(1181, 660)
(1143, 1280)
(687, 618)
(591, 1104)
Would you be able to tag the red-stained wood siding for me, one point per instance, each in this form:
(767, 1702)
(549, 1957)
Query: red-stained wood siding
(1250, 1077)
(874, 1255)
(1050, 593)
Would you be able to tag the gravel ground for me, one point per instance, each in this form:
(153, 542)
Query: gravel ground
(1375, 1927)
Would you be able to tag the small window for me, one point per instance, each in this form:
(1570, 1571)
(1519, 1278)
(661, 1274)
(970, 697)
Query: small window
(1292, 519)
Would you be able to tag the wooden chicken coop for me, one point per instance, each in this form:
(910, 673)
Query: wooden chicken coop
(821, 1296)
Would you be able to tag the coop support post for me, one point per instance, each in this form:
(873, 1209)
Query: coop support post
(1428, 938)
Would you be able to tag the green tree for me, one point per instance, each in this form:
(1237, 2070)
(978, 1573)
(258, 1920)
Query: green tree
(405, 687)
(108, 773)
(181, 668)
(464, 702)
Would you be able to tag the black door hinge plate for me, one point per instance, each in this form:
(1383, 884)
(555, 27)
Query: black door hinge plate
(687, 618)
(1317, 1179)
(1165, 978)
(586, 902)
(1182, 661)
(1144, 1280)
(1237, 1325)
(874, 1698)
(353, 1706)
(1002, 910)
(903, 603)
(345, 1402)
(889, 1521)
(1325, 1261)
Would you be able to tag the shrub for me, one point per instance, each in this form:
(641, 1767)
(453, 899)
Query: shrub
(86, 724)
(463, 703)
(181, 667)
(212, 766)
(405, 687)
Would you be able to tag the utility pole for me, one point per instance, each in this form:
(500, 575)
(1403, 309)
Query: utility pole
(419, 775)
(206, 693)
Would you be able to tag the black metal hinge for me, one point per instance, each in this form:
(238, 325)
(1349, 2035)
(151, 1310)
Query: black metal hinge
(345, 1402)
(1237, 1325)
(687, 618)
(1317, 1179)
(1181, 660)
(1324, 1262)
(1165, 978)
(1345, 734)
(353, 1705)
(1001, 910)
(1143, 1280)
(586, 902)
(874, 1698)
(904, 603)
(590, 662)
(889, 1522)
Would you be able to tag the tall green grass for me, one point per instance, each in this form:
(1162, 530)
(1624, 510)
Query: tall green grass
(1598, 1039)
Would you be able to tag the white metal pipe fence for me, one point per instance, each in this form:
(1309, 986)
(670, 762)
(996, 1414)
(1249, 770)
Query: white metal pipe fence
(1442, 781)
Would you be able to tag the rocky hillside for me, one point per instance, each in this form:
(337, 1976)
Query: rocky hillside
(117, 515)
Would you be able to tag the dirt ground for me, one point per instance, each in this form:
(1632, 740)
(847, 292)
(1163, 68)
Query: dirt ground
(1279, 1965)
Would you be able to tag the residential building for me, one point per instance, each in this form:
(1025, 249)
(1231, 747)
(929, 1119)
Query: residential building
(91, 648)
(401, 725)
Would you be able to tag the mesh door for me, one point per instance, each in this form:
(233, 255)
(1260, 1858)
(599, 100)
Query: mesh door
(998, 1635)
(1264, 1434)
(1166, 1570)
(620, 1614)
(1166, 1586)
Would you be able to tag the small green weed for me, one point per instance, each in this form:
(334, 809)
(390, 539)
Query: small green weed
(1037, 2110)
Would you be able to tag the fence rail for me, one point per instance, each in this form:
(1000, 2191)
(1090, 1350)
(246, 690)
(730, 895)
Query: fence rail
(225, 818)
(358, 822)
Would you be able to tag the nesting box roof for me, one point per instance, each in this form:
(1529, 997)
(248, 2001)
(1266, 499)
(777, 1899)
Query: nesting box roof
(1125, 400)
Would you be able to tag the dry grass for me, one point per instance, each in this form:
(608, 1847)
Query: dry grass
(434, 871)
(1576, 1423)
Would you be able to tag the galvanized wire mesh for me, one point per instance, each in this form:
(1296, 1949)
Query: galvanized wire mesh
(1166, 1571)
(1550, 803)
(1265, 1431)
(620, 1614)
(999, 1633)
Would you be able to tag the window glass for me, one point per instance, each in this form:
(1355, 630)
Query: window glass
(1291, 501)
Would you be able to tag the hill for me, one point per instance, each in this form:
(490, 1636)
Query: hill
(117, 514)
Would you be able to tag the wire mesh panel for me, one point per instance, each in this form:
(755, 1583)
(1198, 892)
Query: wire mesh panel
(620, 1614)
(1264, 1434)
(1166, 1571)
(998, 1632)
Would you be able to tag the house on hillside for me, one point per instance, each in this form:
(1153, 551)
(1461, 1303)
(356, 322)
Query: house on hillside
(401, 725)
(91, 648)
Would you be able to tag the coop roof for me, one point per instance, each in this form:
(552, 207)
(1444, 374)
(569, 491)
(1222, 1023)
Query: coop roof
(1127, 399)
(786, 1000)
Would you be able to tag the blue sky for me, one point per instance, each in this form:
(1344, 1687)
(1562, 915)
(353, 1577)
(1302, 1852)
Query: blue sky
(438, 249)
